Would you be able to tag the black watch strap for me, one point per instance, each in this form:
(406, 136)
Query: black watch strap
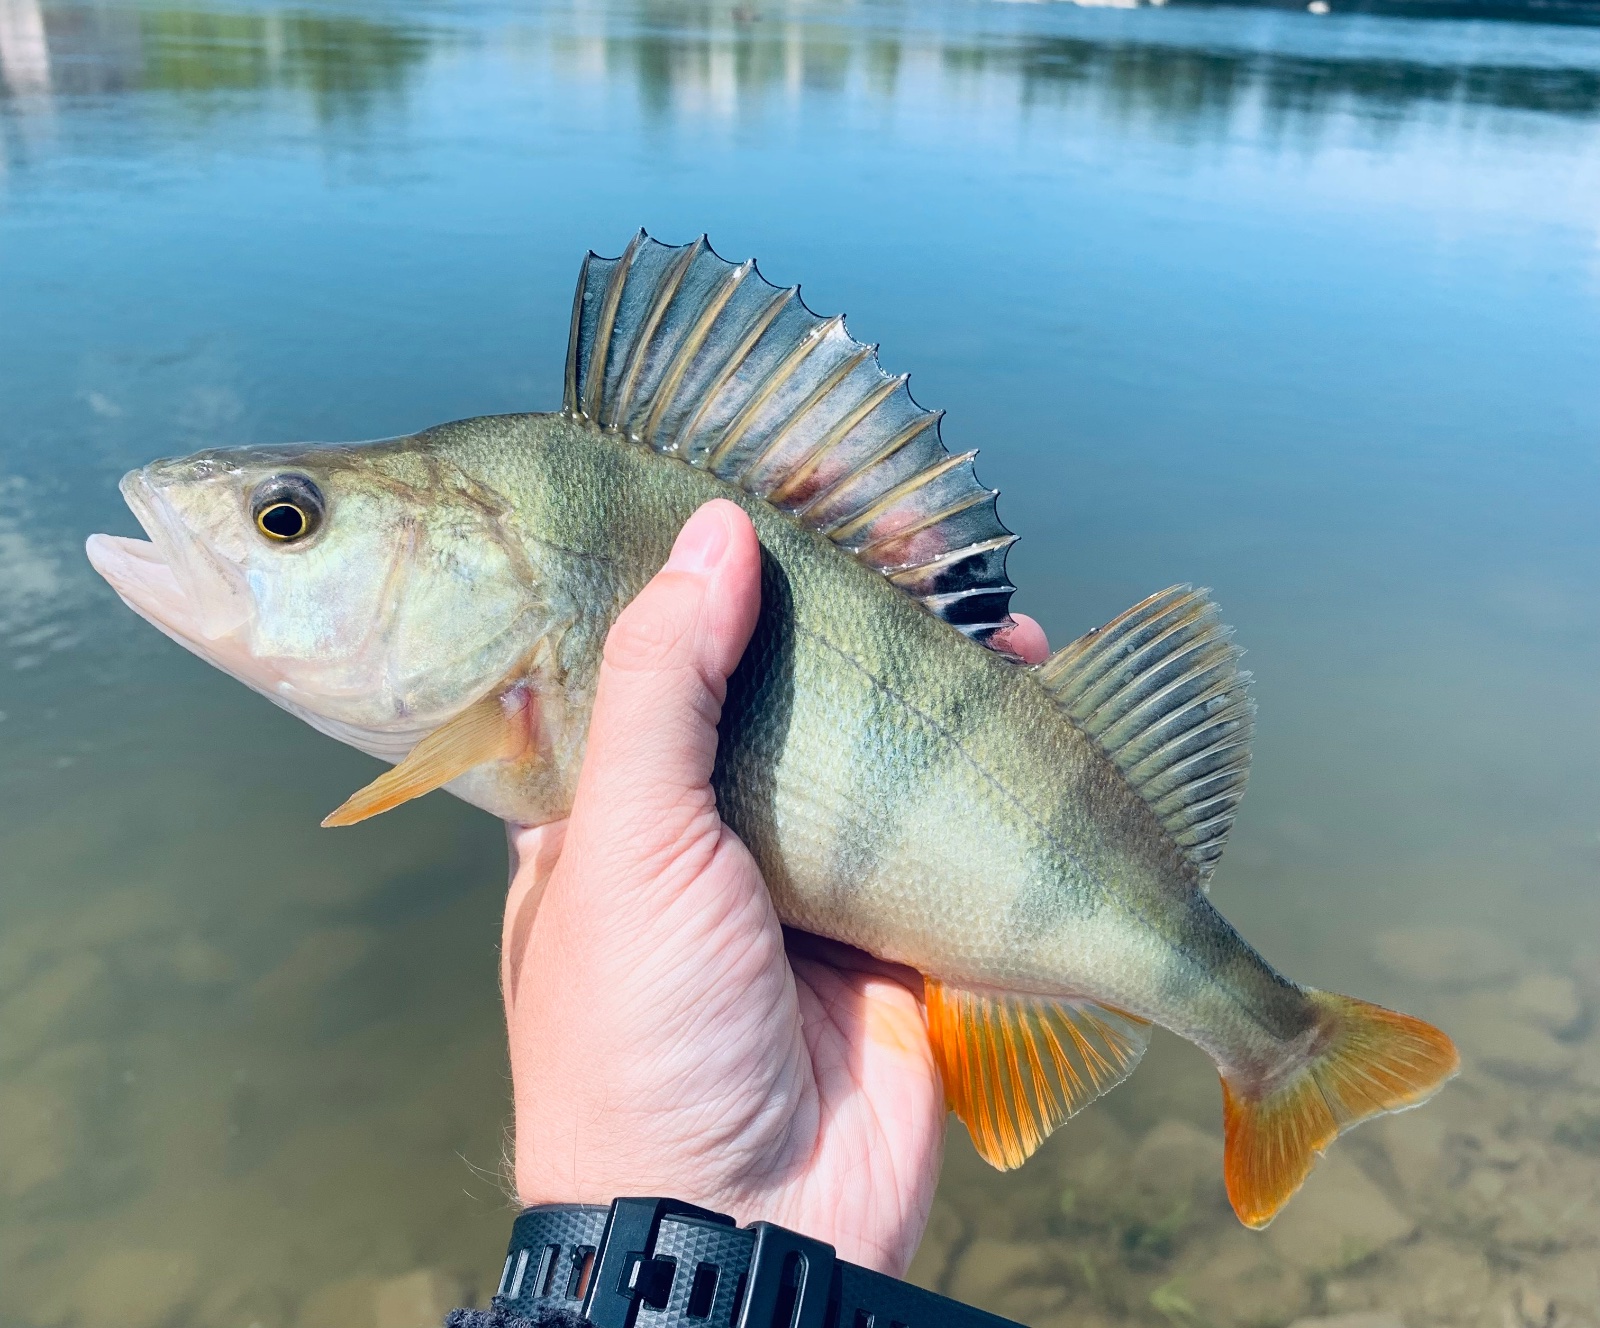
(658, 1263)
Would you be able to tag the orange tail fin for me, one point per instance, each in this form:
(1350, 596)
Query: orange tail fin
(1368, 1060)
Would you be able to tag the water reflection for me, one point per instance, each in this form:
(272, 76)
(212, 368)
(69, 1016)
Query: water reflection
(1180, 84)
(342, 62)
(24, 48)
(693, 57)
(678, 52)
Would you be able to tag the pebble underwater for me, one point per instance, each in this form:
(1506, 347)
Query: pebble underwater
(1036, 841)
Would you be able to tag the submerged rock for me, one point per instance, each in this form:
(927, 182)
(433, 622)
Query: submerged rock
(71, 997)
(1571, 1282)
(1360, 1319)
(1529, 1307)
(1180, 1159)
(1240, 1280)
(1094, 1181)
(419, 1299)
(1549, 1203)
(21, 947)
(1586, 1069)
(1579, 1130)
(136, 1289)
(1550, 1002)
(242, 1305)
(1449, 958)
(1031, 1302)
(988, 1268)
(1438, 1282)
(196, 962)
(38, 1139)
(1338, 1219)
(1493, 1036)
(348, 1303)
(1416, 1144)
(319, 960)
(44, 1112)
(114, 917)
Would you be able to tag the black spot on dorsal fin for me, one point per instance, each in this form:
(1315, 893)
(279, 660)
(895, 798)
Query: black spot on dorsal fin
(707, 361)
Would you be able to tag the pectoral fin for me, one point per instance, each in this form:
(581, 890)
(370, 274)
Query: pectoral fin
(1016, 1066)
(495, 728)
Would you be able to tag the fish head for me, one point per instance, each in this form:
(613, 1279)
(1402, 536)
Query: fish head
(364, 587)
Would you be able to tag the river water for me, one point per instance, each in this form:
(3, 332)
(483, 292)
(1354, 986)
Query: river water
(1304, 308)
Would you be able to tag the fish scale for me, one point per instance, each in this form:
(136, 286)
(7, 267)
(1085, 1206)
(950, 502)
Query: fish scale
(1035, 840)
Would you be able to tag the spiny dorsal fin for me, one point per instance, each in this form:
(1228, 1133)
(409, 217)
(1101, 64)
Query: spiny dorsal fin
(1161, 691)
(704, 360)
(1016, 1066)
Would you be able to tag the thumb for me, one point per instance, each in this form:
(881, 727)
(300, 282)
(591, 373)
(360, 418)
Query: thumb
(653, 732)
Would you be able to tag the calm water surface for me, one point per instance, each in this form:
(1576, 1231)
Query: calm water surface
(1305, 309)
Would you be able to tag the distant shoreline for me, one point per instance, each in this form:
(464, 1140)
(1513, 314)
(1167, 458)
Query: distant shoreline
(1584, 12)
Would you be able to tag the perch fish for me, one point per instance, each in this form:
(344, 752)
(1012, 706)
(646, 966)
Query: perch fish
(1036, 841)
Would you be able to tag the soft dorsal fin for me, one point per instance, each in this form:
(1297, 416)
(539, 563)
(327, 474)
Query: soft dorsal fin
(1160, 689)
(705, 360)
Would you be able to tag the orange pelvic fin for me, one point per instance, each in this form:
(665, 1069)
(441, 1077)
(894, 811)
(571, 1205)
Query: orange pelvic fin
(1368, 1061)
(1016, 1066)
(496, 728)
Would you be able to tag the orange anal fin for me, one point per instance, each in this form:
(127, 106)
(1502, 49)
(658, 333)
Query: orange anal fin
(1016, 1066)
(1370, 1060)
(496, 728)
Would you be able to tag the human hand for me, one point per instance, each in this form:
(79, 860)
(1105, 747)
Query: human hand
(667, 1036)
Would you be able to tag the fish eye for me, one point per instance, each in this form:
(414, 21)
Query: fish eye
(287, 508)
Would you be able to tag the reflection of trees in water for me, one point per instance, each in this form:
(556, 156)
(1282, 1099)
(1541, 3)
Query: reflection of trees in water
(1180, 83)
(698, 53)
(341, 61)
(673, 49)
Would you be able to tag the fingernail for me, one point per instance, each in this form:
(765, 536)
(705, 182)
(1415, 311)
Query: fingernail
(700, 544)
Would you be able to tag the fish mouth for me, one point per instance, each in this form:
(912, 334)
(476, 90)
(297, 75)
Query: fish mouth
(139, 574)
(147, 584)
(172, 580)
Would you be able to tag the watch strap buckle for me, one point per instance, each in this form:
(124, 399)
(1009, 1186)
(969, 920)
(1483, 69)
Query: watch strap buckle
(790, 1280)
(626, 1270)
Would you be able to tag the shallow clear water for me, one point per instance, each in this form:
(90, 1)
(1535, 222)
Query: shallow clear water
(1305, 309)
